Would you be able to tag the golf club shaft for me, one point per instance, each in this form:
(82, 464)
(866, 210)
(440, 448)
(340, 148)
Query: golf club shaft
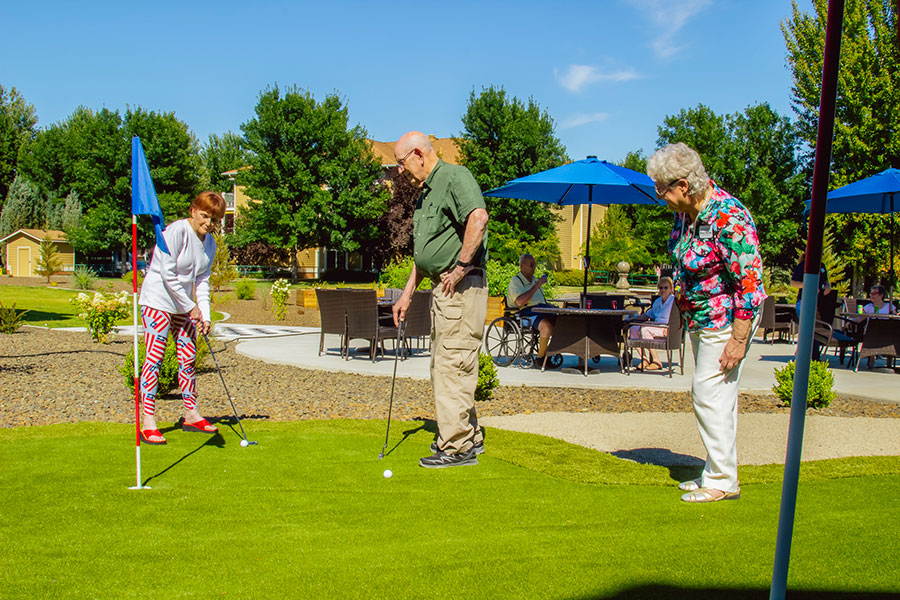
(227, 393)
(400, 330)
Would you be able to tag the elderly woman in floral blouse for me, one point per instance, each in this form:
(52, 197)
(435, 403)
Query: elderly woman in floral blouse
(720, 292)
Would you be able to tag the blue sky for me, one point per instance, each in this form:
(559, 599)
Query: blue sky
(607, 71)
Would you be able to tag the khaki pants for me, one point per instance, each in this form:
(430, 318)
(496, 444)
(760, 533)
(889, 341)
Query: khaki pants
(457, 332)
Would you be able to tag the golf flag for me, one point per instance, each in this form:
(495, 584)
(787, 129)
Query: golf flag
(143, 195)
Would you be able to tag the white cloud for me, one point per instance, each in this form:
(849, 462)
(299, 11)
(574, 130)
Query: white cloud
(578, 76)
(670, 17)
(577, 120)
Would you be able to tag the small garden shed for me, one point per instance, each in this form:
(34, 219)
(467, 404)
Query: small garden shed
(23, 248)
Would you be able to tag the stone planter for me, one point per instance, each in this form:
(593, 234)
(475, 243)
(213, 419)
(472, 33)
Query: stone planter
(308, 298)
(494, 308)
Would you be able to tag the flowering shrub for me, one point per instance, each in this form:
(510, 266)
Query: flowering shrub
(101, 312)
(280, 290)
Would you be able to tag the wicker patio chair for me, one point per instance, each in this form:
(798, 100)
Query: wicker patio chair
(673, 341)
(363, 320)
(333, 316)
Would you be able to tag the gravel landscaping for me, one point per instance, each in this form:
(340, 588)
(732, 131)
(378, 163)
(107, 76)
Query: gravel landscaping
(51, 376)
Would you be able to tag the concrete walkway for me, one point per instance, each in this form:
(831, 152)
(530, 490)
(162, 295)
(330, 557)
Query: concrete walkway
(656, 438)
(299, 347)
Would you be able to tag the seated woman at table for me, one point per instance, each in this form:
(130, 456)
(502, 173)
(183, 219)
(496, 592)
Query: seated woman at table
(658, 313)
(878, 304)
(525, 293)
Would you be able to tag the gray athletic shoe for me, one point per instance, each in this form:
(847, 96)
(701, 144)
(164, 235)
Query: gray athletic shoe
(439, 460)
(478, 447)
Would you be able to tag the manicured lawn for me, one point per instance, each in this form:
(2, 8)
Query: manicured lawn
(307, 514)
(46, 306)
(51, 307)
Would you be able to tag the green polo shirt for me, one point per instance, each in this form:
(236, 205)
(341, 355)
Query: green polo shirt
(448, 195)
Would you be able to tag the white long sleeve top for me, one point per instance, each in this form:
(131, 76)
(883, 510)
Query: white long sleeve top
(172, 278)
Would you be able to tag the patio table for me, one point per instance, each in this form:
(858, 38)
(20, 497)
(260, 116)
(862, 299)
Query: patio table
(586, 332)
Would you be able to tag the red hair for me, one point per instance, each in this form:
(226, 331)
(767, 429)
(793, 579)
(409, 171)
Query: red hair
(211, 203)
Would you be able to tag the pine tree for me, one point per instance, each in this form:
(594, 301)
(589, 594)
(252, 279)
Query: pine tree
(49, 262)
(23, 208)
(223, 270)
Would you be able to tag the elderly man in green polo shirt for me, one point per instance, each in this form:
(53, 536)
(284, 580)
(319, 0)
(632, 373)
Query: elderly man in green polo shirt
(450, 247)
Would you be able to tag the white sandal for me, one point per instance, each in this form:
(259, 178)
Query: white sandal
(689, 486)
(707, 495)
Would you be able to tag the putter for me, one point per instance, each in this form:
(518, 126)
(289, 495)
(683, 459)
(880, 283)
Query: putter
(233, 409)
(400, 330)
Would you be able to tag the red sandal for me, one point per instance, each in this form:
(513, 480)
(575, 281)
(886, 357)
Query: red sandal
(201, 426)
(146, 434)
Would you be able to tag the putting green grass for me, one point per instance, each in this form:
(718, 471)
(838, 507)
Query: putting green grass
(307, 514)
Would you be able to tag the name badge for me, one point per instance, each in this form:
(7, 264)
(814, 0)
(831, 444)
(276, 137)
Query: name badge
(704, 232)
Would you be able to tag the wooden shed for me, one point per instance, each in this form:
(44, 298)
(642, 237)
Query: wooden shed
(23, 249)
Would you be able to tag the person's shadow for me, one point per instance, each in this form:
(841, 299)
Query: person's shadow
(682, 467)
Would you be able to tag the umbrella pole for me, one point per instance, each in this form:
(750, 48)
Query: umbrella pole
(893, 279)
(587, 253)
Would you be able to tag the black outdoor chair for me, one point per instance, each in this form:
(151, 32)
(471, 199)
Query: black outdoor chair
(333, 316)
(418, 320)
(774, 320)
(363, 321)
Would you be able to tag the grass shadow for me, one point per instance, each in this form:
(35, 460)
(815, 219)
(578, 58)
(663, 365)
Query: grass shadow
(668, 592)
(214, 440)
(41, 316)
(429, 425)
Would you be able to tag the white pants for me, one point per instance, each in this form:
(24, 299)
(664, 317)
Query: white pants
(715, 397)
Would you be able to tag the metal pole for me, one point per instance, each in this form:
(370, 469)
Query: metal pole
(825, 134)
(587, 253)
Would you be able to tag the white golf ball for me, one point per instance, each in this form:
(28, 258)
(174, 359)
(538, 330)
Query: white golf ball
(244, 443)
(388, 473)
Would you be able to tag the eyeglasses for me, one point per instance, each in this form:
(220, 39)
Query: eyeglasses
(402, 160)
(875, 293)
(660, 194)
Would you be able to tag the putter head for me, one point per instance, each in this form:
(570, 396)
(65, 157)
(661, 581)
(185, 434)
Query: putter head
(252, 443)
(381, 455)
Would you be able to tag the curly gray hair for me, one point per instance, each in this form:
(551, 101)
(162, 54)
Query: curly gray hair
(678, 161)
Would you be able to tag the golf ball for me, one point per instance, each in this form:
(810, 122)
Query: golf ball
(244, 443)
(388, 473)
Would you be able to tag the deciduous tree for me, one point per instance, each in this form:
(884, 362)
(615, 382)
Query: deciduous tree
(867, 113)
(220, 154)
(504, 138)
(17, 124)
(313, 177)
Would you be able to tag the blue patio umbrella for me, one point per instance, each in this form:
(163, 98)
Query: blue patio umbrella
(589, 181)
(874, 195)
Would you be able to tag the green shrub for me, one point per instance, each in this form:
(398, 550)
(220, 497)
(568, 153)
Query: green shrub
(487, 378)
(569, 277)
(821, 382)
(396, 274)
(10, 318)
(168, 370)
(499, 275)
(280, 291)
(84, 278)
(245, 289)
(127, 278)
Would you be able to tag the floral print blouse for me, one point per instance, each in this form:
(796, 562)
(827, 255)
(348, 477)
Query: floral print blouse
(719, 274)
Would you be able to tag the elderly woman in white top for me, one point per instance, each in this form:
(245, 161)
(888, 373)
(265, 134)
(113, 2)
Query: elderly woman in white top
(658, 313)
(175, 297)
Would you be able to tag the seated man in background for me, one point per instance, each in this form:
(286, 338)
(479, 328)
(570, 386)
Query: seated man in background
(525, 293)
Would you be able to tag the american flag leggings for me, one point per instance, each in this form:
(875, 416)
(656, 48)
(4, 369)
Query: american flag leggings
(156, 330)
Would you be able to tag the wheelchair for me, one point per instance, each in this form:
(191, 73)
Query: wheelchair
(511, 340)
